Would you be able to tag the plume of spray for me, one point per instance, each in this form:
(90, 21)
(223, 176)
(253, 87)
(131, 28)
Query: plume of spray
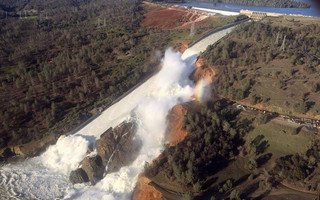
(171, 86)
(147, 106)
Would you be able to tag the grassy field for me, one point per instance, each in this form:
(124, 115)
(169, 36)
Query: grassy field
(272, 64)
(295, 86)
(279, 141)
(279, 136)
(292, 21)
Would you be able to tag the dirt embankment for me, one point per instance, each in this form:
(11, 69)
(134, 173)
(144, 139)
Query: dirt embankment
(174, 135)
(175, 132)
(170, 17)
(144, 191)
(203, 71)
(182, 46)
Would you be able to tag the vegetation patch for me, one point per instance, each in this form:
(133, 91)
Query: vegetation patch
(271, 66)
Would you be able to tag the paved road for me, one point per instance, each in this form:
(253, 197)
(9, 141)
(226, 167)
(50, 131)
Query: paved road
(311, 124)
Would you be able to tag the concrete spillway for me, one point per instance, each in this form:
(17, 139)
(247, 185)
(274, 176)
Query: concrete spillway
(215, 11)
(211, 39)
(46, 176)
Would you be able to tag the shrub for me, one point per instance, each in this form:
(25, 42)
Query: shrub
(262, 119)
(187, 196)
(252, 164)
(235, 195)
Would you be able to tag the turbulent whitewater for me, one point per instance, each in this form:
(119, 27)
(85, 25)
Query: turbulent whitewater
(46, 176)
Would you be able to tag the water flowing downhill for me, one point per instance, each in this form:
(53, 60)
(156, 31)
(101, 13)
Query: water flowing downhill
(46, 176)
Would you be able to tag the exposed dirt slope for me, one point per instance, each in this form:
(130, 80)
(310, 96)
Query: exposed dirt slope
(174, 135)
(175, 132)
(170, 17)
(203, 71)
(144, 191)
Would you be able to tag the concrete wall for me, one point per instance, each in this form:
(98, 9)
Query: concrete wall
(249, 13)
(214, 11)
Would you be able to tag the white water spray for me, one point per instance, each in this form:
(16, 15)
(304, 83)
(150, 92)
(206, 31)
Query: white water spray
(46, 176)
(148, 106)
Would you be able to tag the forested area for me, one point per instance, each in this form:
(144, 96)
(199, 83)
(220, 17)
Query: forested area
(169, 1)
(13, 5)
(299, 166)
(259, 55)
(261, 3)
(267, 3)
(214, 133)
(60, 59)
(267, 42)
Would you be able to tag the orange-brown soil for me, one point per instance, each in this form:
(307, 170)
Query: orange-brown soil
(175, 133)
(182, 46)
(144, 191)
(170, 17)
(203, 71)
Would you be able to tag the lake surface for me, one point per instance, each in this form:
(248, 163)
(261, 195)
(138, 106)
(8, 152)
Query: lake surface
(313, 11)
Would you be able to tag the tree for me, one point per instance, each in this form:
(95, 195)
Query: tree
(189, 176)
(301, 107)
(315, 87)
(197, 186)
(261, 185)
(253, 148)
(187, 196)
(262, 118)
(18, 83)
(252, 164)
(227, 186)
(53, 108)
(207, 138)
(254, 99)
(250, 178)
(189, 164)
(176, 170)
(235, 195)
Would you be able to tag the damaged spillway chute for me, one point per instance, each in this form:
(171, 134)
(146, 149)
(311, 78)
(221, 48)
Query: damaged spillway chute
(117, 147)
(121, 157)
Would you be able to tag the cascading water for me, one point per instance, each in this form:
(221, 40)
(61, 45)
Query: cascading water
(46, 176)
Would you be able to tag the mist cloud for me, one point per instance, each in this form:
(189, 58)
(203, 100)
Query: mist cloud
(147, 106)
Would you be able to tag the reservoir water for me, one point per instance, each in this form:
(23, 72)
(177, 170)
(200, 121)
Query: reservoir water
(313, 11)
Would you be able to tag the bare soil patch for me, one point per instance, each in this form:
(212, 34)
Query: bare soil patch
(169, 17)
